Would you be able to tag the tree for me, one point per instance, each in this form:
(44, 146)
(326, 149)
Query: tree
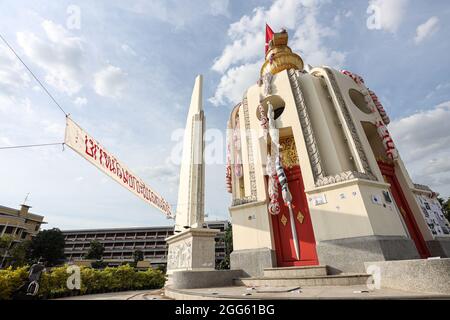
(96, 250)
(20, 253)
(228, 241)
(5, 245)
(138, 255)
(48, 245)
(445, 207)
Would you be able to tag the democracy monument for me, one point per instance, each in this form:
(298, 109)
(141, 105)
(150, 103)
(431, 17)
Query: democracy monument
(319, 192)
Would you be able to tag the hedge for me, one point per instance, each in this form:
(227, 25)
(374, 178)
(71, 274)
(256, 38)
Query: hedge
(53, 284)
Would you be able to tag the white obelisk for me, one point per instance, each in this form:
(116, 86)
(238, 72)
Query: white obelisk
(191, 195)
(192, 247)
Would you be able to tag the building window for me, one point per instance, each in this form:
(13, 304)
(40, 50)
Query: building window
(9, 230)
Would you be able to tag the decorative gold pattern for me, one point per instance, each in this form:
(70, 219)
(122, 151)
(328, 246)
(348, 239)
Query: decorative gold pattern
(289, 157)
(384, 159)
(300, 217)
(283, 220)
(280, 57)
(402, 211)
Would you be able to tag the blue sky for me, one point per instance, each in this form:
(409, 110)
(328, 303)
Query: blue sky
(125, 73)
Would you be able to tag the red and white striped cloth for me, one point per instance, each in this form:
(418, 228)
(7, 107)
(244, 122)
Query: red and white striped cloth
(380, 108)
(274, 205)
(388, 143)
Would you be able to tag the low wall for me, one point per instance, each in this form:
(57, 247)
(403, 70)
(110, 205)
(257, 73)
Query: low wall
(253, 261)
(440, 247)
(203, 279)
(349, 254)
(428, 276)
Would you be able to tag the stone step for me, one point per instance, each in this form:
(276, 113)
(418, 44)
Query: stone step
(310, 281)
(292, 272)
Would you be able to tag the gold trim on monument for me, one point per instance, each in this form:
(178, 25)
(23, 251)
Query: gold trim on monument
(282, 61)
(283, 220)
(402, 211)
(300, 217)
(384, 160)
(288, 152)
(280, 57)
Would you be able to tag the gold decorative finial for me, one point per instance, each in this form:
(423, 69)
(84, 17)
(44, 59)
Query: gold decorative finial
(280, 57)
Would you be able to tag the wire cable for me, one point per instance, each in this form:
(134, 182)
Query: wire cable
(34, 76)
(33, 145)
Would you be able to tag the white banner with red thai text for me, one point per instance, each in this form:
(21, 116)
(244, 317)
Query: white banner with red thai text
(85, 145)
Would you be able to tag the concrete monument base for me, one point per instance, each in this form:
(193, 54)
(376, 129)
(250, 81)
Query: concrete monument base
(253, 261)
(439, 247)
(421, 275)
(193, 249)
(349, 255)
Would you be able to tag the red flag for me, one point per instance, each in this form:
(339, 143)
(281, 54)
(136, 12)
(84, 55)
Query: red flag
(269, 36)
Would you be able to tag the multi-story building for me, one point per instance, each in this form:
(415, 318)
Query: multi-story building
(19, 224)
(121, 243)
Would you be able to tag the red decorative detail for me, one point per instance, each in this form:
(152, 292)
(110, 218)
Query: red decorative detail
(284, 244)
(388, 143)
(360, 81)
(388, 171)
(380, 108)
(269, 36)
(272, 187)
(263, 120)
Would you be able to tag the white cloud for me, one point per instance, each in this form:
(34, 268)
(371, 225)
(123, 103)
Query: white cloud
(426, 29)
(240, 60)
(423, 140)
(389, 14)
(5, 141)
(308, 40)
(59, 54)
(80, 101)
(110, 82)
(219, 7)
(53, 128)
(12, 73)
(166, 173)
(128, 50)
(179, 13)
(233, 84)
(441, 88)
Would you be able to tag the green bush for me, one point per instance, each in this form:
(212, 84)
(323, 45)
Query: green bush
(53, 283)
(10, 280)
